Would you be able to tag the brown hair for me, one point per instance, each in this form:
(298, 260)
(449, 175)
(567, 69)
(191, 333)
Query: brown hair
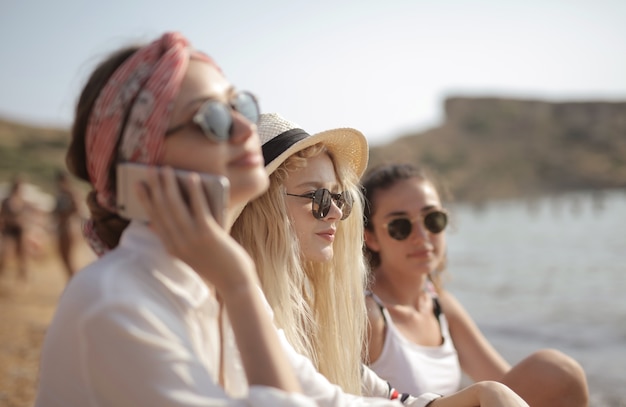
(108, 225)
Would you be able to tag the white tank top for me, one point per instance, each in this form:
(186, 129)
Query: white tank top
(416, 369)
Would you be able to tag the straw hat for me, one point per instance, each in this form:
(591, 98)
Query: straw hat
(281, 139)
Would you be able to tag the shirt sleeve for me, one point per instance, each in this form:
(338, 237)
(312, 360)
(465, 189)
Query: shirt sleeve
(373, 385)
(322, 391)
(132, 357)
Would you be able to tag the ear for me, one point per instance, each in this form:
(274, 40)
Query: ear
(371, 240)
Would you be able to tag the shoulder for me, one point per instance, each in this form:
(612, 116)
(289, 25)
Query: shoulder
(374, 311)
(449, 303)
(114, 292)
(376, 318)
(376, 329)
(109, 276)
(454, 311)
(117, 277)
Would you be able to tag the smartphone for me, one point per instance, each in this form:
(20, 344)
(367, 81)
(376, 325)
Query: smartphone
(216, 189)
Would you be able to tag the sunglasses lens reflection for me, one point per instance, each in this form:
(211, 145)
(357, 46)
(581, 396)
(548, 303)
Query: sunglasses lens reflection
(436, 221)
(216, 120)
(345, 204)
(399, 229)
(322, 202)
(246, 104)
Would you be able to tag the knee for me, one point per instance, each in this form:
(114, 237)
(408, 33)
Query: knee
(557, 362)
(563, 373)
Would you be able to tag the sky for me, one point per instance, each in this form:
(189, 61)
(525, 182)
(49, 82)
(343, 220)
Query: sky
(383, 67)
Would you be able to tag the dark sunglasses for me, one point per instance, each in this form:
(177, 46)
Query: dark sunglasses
(215, 118)
(401, 228)
(322, 200)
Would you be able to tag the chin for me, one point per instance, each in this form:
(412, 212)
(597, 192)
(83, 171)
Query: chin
(323, 256)
(422, 269)
(245, 189)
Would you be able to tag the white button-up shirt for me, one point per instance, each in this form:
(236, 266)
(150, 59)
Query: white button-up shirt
(140, 328)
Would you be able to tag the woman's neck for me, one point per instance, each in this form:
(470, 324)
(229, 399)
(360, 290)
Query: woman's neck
(232, 213)
(398, 288)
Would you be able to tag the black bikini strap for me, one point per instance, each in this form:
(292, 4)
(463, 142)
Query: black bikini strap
(436, 307)
(378, 302)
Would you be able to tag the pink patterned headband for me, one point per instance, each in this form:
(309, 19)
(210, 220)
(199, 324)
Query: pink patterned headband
(145, 85)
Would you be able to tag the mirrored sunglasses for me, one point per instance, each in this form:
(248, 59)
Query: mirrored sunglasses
(434, 221)
(215, 118)
(322, 201)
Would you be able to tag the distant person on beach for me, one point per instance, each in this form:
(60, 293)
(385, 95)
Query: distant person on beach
(171, 313)
(420, 337)
(13, 223)
(65, 210)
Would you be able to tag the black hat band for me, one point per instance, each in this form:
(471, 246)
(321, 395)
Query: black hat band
(281, 143)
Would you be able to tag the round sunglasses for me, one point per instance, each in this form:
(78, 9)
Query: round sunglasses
(434, 221)
(215, 118)
(322, 200)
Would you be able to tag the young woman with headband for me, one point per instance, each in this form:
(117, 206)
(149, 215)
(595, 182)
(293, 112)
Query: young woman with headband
(171, 313)
(420, 336)
(305, 235)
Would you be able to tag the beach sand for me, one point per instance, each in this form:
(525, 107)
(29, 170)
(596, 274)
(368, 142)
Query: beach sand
(26, 309)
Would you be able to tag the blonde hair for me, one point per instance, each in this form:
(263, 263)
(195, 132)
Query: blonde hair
(319, 306)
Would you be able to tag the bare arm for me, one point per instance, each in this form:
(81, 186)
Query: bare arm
(375, 332)
(478, 358)
(483, 394)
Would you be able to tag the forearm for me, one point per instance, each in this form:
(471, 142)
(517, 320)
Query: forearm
(261, 352)
(483, 394)
(485, 364)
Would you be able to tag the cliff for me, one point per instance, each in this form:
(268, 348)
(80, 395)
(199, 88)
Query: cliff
(503, 148)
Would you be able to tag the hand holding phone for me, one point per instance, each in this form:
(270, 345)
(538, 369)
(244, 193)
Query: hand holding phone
(216, 189)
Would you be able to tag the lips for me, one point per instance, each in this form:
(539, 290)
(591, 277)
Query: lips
(248, 159)
(328, 234)
(421, 253)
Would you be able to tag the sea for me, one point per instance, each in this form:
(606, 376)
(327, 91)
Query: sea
(548, 272)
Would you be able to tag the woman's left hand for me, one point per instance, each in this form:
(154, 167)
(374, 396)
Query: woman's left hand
(191, 233)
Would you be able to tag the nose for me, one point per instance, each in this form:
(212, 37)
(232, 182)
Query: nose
(419, 231)
(242, 128)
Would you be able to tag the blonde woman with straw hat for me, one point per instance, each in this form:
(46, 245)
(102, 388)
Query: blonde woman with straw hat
(305, 235)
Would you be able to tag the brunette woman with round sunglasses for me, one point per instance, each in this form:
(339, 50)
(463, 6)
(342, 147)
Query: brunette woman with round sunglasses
(170, 314)
(306, 236)
(420, 337)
